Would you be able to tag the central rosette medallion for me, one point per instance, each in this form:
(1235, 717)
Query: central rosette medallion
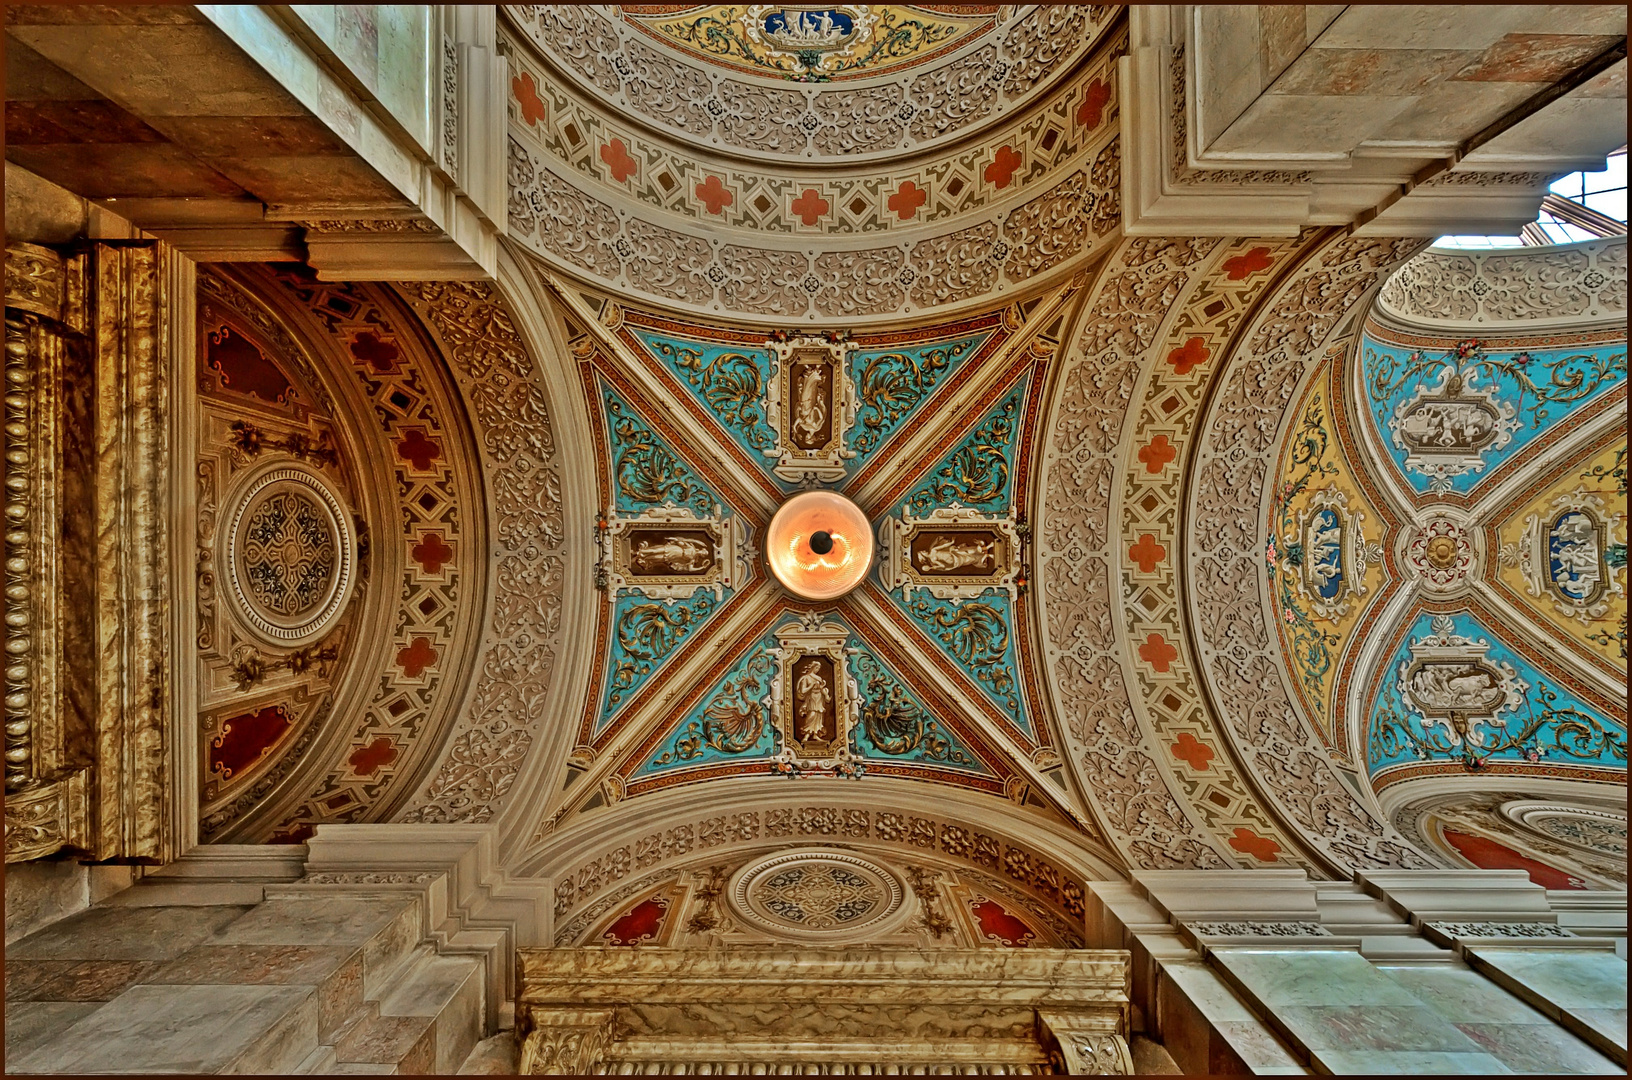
(819, 545)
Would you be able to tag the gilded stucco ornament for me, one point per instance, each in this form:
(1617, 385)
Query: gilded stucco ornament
(1442, 551)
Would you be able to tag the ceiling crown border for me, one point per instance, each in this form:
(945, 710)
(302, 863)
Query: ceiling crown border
(715, 108)
(914, 195)
(1514, 291)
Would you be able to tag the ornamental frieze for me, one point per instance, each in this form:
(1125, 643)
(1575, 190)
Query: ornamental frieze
(694, 98)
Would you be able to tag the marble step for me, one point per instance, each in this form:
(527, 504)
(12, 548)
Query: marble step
(423, 1017)
(449, 992)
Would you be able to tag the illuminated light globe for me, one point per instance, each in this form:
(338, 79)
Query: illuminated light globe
(819, 545)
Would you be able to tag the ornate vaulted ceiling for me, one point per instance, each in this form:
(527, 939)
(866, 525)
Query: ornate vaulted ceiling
(1294, 552)
(929, 431)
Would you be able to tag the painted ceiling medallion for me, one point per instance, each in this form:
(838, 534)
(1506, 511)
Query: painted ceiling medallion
(814, 894)
(1442, 552)
(290, 556)
(819, 545)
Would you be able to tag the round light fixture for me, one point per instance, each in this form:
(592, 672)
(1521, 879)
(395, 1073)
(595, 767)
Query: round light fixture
(819, 545)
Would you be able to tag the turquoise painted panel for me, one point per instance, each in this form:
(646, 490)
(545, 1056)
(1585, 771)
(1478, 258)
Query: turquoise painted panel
(979, 472)
(646, 471)
(895, 725)
(728, 381)
(732, 723)
(1462, 676)
(974, 634)
(1450, 419)
(645, 635)
(890, 384)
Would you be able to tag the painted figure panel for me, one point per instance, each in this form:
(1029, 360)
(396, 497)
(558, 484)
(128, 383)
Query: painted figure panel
(656, 551)
(1454, 693)
(1450, 417)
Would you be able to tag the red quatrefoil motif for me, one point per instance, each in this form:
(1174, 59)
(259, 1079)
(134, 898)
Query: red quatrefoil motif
(1157, 652)
(430, 553)
(810, 206)
(1001, 170)
(370, 759)
(1261, 848)
(526, 91)
(1092, 109)
(715, 195)
(907, 199)
(1157, 453)
(1147, 553)
(617, 159)
(1245, 265)
(1193, 752)
(417, 450)
(1189, 355)
(418, 656)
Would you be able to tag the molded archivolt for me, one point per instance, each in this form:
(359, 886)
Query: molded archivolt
(710, 207)
(814, 894)
(691, 84)
(682, 854)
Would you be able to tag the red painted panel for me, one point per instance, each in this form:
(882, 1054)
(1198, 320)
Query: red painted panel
(245, 740)
(640, 924)
(997, 924)
(244, 369)
(1488, 854)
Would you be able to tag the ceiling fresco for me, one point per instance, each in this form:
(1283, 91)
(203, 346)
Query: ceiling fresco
(341, 547)
(1507, 653)
(701, 431)
(1298, 552)
(1191, 429)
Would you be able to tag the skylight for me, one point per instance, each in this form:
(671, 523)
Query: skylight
(1580, 206)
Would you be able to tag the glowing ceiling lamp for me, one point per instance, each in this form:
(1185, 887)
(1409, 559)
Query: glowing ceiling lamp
(819, 545)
